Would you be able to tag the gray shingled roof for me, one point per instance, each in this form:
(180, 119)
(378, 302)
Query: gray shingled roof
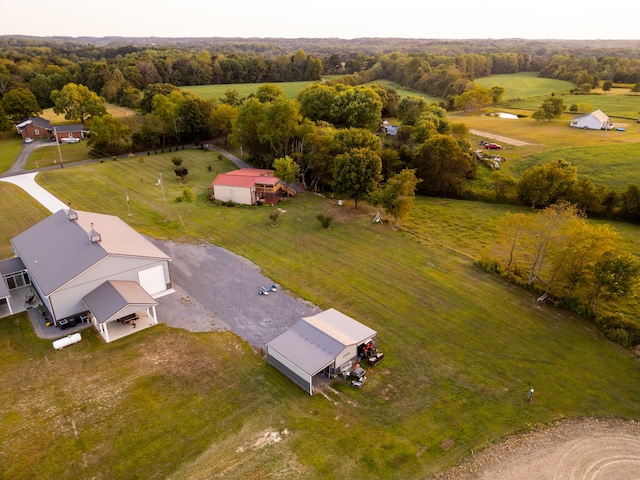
(314, 342)
(117, 298)
(11, 265)
(57, 250)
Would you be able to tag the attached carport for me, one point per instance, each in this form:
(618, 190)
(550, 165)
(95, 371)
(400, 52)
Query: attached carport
(326, 342)
(117, 308)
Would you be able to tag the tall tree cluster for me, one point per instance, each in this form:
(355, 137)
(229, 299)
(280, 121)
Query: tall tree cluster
(559, 253)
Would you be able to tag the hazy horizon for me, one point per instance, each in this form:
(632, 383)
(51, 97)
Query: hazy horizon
(288, 19)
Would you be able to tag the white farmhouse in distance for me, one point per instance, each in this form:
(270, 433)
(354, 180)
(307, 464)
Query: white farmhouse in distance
(592, 121)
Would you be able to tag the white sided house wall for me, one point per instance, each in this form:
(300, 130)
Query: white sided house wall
(67, 300)
(242, 195)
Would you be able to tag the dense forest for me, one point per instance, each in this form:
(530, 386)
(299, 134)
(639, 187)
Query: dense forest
(119, 69)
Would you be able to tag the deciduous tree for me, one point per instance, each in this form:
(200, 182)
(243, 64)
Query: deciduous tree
(356, 174)
(77, 102)
(286, 169)
(221, 121)
(545, 184)
(19, 104)
(551, 108)
(442, 165)
(397, 195)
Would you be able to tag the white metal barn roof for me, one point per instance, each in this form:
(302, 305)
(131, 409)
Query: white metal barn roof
(313, 343)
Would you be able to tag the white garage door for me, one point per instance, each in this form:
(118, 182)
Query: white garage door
(152, 279)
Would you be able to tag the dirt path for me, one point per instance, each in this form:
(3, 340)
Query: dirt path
(572, 449)
(499, 138)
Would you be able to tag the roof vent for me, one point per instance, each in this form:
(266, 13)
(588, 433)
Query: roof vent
(94, 237)
(72, 214)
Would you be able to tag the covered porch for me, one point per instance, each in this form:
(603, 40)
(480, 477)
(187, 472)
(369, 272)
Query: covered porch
(17, 300)
(114, 330)
(16, 292)
(119, 308)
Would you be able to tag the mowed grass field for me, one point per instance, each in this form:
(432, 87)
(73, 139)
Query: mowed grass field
(462, 349)
(213, 92)
(607, 158)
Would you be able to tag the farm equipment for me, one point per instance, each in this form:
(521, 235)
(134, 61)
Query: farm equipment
(376, 359)
(368, 350)
(359, 377)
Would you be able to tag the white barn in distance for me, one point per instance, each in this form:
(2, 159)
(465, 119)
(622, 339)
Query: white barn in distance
(592, 121)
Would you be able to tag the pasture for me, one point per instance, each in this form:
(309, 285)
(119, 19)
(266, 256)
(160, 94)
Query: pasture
(462, 349)
(524, 85)
(115, 110)
(214, 92)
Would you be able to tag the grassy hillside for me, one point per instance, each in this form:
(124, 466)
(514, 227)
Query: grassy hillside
(462, 349)
(208, 92)
(525, 85)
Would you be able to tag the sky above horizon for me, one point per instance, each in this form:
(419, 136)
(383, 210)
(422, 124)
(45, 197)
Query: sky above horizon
(464, 19)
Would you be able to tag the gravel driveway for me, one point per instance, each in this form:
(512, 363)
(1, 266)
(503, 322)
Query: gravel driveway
(218, 290)
(500, 138)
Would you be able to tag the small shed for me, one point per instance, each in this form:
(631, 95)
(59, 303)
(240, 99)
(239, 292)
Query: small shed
(326, 343)
(592, 121)
(246, 186)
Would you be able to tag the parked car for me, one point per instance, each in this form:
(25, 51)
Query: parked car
(492, 146)
(28, 140)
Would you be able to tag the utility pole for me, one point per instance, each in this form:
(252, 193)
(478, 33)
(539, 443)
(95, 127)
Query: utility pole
(55, 134)
(164, 202)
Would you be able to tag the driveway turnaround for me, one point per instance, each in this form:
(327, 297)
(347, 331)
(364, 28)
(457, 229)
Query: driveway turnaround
(219, 290)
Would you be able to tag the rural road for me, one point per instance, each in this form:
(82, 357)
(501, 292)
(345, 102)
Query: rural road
(500, 138)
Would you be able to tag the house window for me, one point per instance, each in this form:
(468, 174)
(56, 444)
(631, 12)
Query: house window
(70, 134)
(36, 131)
(18, 280)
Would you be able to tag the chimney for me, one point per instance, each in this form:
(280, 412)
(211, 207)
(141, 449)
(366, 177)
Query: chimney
(94, 237)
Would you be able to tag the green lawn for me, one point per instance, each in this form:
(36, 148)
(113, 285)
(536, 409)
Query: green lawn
(209, 92)
(19, 212)
(10, 147)
(626, 107)
(462, 349)
(404, 92)
(615, 166)
(524, 85)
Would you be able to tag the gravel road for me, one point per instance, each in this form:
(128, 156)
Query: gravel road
(500, 138)
(218, 290)
(569, 450)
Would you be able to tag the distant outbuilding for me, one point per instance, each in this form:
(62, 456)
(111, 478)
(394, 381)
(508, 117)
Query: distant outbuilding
(248, 186)
(592, 121)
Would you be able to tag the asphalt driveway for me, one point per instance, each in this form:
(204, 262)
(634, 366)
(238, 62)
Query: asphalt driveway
(219, 290)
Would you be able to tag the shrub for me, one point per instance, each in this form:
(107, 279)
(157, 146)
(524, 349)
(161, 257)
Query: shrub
(188, 195)
(325, 220)
(274, 216)
(176, 160)
(181, 172)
